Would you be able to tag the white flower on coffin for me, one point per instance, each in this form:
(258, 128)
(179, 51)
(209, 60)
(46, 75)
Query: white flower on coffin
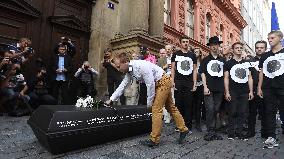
(87, 102)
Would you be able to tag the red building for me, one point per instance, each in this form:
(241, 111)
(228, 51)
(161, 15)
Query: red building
(202, 19)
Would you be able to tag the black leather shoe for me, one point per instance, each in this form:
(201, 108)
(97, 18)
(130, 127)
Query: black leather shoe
(149, 143)
(182, 136)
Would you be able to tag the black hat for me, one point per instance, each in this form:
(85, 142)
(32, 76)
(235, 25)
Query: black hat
(214, 40)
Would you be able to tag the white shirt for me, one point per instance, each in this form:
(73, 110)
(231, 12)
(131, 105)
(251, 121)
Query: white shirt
(143, 71)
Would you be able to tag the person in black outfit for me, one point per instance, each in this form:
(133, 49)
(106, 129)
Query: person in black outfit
(238, 90)
(271, 85)
(213, 82)
(114, 77)
(87, 76)
(39, 90)
(198, 94)
(184, 77)
(61, 67)
(256, 103)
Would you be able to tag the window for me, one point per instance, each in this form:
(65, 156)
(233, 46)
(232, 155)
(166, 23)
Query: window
(208, 25)
(221, 32)
(231, 39)
(190, 19)
(167, 12)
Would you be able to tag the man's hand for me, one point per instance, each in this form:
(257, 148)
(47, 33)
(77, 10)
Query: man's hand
(108, 102)
(260, 93)
(194, 87)
(22, 94)
(58, 71)
(206, 91)
(250, 96)
(228, 96)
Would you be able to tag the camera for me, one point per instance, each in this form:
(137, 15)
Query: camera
(86, 67)
(30, 50)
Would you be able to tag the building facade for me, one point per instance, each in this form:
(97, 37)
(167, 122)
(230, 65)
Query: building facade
(202, 19)
(45, 22)
(258, 16)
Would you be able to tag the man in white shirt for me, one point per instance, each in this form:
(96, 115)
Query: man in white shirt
(158, 94)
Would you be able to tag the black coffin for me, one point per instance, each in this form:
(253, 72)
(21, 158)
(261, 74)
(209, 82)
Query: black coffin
(61, 128)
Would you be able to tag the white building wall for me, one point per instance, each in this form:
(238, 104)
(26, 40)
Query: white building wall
(257, 14)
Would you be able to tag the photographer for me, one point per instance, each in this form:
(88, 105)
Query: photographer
(5, 63)
(87, 75)
(13, 88)
(114, 77)
(38, 88)
(71, 49)
(21, 51)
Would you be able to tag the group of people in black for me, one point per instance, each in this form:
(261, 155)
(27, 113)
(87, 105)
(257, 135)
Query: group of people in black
(231, 84)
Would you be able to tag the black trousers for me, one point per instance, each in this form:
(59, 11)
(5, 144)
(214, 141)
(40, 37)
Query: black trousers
(60, 92)
(197, 104)
(44, 99)
(184, 101)
(273, 100)
(255, 105)
(238, 107)
(88, 89)
(212, 105)
(112, 84)
(142, 94)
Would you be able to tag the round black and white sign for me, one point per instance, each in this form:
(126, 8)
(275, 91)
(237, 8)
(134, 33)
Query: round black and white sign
(215, 68)
(239, 72)
(273, 66)
(184, 65)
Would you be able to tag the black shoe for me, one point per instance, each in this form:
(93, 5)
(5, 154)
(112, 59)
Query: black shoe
(149, 143)
(182, 136)
(198, 128)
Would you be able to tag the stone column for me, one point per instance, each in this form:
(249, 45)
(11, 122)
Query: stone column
(139, 15)
(156, 22)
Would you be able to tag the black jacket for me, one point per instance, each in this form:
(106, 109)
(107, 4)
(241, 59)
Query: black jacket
(67, 65)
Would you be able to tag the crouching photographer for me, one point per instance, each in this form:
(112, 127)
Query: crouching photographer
(39, 90)
(86, 74)
(13, 90)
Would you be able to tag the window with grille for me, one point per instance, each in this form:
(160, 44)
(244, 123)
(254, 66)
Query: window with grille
(190, 18)
(208, 25)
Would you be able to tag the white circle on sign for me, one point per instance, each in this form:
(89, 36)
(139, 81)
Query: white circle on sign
(215, 68)
(239, 73)
(184, 65)
(273, 66)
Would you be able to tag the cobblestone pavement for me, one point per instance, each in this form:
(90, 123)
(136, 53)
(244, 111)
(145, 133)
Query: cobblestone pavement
(18, 141)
